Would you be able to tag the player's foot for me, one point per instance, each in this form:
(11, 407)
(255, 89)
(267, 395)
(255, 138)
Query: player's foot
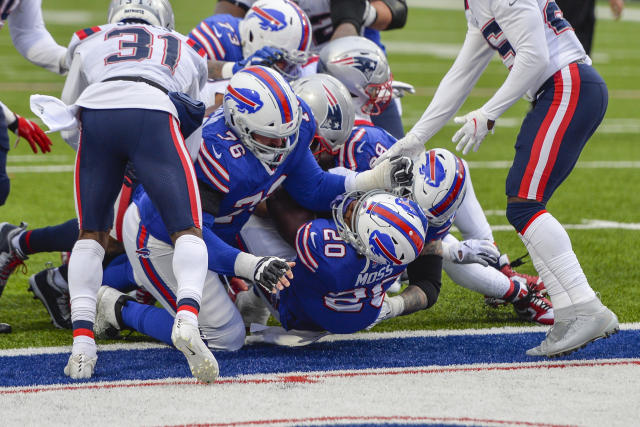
(144, 297)
(575, 327)
(534, 307)
(186, 337)
(5, 328)
(55, 300)
(533, 282)
(109, 312)
(10, 256)
(80, 366)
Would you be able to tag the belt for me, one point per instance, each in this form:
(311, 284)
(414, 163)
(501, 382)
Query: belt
(139, 80)
(549, 81)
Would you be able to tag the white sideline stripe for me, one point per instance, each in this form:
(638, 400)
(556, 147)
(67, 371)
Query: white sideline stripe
(498, 164)
(69, 17)
(329, 338)
(37, 158)
(602, 12)
(591, 224)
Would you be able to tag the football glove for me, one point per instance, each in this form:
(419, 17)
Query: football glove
(272, 272)
(475, 126)
(400, 89)
(473, 251)
(390, 174)
(30, 131)
(266, 56)
(409, 146)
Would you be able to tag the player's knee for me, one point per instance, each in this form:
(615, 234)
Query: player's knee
(229, 337)
(520, 213)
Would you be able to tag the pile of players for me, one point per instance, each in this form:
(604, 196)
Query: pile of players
(280, 200)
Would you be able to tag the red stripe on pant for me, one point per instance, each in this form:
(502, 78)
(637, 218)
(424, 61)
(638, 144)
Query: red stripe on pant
(187, 165)
(76, 181)
(534, 157)
(562, 129)
(123, 204)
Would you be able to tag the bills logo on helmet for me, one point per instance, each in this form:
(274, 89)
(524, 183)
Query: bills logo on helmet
(366, 65)
(247, 100)
(334, 113)
(270, 19)
(382, 246)
(433, 170)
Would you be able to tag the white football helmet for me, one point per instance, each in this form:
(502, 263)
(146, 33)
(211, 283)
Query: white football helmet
(280, 24)
(385, 228)
(153, 12)
(258, 100)
(439, 184)
(332, 108)
(363, 68)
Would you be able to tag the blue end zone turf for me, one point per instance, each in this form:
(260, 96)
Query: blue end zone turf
(161, 363)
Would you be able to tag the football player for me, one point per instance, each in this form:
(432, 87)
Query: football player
(549, 66)
(130, 81)
(345, 59)
(256, 142)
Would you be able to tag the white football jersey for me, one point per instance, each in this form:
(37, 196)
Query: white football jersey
(523, 32)
(162, 56)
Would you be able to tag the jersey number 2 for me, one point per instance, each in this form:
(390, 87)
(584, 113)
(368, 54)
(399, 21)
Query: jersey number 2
(139, 47)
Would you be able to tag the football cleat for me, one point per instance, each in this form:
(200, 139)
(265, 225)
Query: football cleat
(80, 366)
(252, 308)
(534, 308)
(186, 337)
(5, 328)
(575, 327)
(109, 312)
(53, 298)
(10, 257)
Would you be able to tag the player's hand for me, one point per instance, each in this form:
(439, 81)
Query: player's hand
(32, 133)
(400, 89)
(272, 273)
(475, 126)
(474, 251)
(616, 8)
(401, 172)
(409, 146)
(266, 56)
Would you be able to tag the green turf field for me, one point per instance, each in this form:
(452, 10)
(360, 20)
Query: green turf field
(608, 256)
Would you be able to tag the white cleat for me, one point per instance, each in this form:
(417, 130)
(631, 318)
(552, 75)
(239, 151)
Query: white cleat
(186, 337)
(80, 366)
(581, 324)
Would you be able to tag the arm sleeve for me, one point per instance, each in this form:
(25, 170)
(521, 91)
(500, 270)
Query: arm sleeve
(222, 256)
(456, 85)
(32, 40)
(523, 26)
(312, 187)
(76, 82)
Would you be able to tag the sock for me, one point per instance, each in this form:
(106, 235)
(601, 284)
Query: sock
(149, 320)
(119, 275)
(57, 238)
(190, 268)
(85, 277)
(550, 248)
(470, 218)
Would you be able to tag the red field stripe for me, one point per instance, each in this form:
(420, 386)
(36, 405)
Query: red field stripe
(314, 377)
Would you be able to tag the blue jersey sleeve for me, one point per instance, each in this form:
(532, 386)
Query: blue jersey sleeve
(221, 256)
(219, 36)
(364, 146)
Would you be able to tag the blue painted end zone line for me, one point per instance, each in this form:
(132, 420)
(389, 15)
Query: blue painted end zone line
(159, 363)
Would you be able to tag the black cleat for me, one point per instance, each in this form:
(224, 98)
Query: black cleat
(55, 300)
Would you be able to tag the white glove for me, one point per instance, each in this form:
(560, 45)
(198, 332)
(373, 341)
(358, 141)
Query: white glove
(473, 251)
(390, 174)
(475, 126)
(409, 146)
(391, 307)
(400, 89)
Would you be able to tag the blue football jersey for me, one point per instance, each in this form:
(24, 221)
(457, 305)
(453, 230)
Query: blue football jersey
(366, 143)
(220, 37)
(333, 287)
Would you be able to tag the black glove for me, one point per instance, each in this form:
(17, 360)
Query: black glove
(269, 271)
(401, 171)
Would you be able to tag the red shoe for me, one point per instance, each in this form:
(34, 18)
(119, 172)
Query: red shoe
(533, 282)
(533, 306)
